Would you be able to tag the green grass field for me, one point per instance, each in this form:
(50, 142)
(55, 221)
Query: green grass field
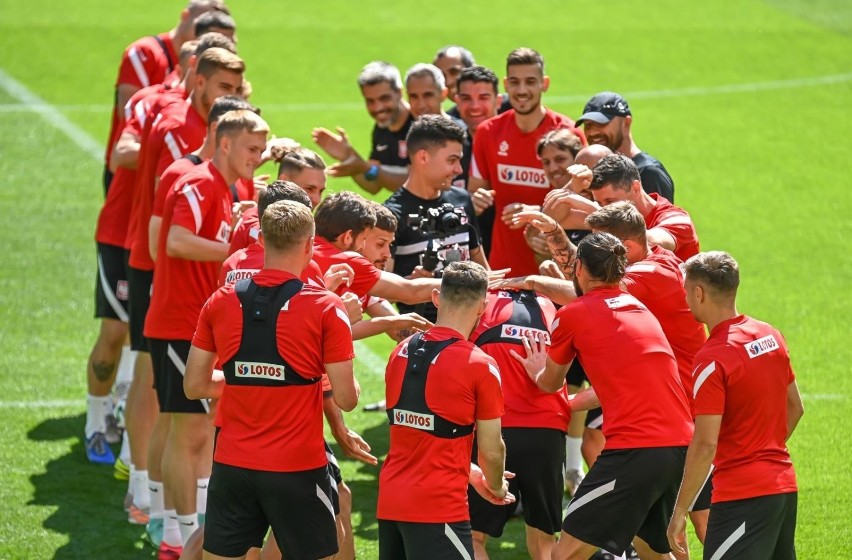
(746, 103)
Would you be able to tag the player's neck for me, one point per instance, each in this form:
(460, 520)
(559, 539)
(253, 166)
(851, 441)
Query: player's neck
(719, 314)
(420, 188)
(645, 204)
(283, 262)
(400, 121)
(459, 322)
(219, 162)
(629, 148)
(529, 122)
(206, 150)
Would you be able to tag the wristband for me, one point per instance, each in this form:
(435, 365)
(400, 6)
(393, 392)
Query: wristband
(372, 174)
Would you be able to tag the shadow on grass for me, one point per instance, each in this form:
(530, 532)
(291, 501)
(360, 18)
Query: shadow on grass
(88, 500)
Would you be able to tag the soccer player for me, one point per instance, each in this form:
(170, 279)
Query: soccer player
(505, 160)
(747, 404)
(433, 410)
(616, 178)
(264, 461)
(387, 167)
(192, 244)
(533, 425)
(635, 380)
(607, 120)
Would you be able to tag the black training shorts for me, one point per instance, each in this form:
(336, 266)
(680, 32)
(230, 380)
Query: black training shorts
(140, 282)
(403, 540)
(754, 528)
(111, 287)
(168, 357)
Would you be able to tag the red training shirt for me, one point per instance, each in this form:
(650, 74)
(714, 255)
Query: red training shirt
(246, 231)
(677, 223)
(366, 273)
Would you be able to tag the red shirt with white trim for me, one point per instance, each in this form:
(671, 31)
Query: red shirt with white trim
(743, 373)
(246, 231)
(181, 286)
(276, 428)
(425, 478)
(247, 262)
(631, 366)
(366, 273)
(506, 158)
(527, 406)
(677, 223)
(657, 281)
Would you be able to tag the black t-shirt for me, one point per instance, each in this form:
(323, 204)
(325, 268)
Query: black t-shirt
(410, 244)
(389, 147)
(654, 177)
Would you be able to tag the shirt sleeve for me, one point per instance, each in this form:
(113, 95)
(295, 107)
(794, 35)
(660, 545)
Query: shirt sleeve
(708, 384)
(336, 331)
(489, 393)
(191, 206)
(203, 337)
(366, 276)
(138, 66)
(679, 226)
(636, 285)
(562, 349)
(170, 152)
(479, 159)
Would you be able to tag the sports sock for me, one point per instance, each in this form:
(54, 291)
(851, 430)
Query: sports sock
(171, 528)
(156, 497)
(95, 414)
(139, 489)
(188, 524)
(201, 495)
(124, 375)
(573, 454)
(124, 454)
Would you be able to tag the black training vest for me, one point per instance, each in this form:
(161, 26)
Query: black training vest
(526, 314)
(411, 410)
(257, 361)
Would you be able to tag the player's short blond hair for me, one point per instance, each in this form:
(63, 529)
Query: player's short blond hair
(285, 225)
(215, 59)
(233, 123)
(621, 219)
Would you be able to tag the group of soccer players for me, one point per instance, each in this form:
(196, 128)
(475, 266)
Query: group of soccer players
(552, 309)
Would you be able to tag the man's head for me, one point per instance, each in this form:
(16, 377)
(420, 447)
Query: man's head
(424, 85)
(557, 150)
(185, 29)
(712, 279)
(601, 260)
(381, 86)
(288, 230)
(525, 80)
(476, 96)
(281, 190)
(606, 120)
(345, 219)
(379, 240)
(217, 21)
(435, 149)
(218, 72)
(615, 178)
(240, 141)
(464, 286)
(305, 168)
(452, 60)
(625, 222)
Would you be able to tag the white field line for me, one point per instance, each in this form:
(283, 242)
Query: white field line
(38, 105)
(368, 359)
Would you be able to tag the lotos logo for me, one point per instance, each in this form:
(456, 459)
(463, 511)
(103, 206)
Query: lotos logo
(260, 370)
(516, 332)
(239, 274)
(414, 420)
(762, 346)
(523, 176)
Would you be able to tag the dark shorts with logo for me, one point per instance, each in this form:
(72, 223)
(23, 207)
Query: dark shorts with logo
(627, 492)
(243, 503)
(702, 500)
(576, 374)
(335, 478)
(111, 286)
(536, 456)
(594, 419)
(168, 358)
(140, 282)
(754, 528)
(403, 540)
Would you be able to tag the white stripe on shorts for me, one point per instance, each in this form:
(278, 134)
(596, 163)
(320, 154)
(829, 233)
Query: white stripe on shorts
(454, 538)
(324, 499)
(181, 367)
(729, 542)
(586, 498)
(596, 423)
(110, 295)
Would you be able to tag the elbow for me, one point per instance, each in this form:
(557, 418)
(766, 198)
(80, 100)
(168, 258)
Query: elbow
(174, 248)
(193, 392)
(347, 403)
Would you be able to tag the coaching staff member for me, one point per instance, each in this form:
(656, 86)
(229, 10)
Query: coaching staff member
(634, 379)
(438, 387)
(747, 405)
(269, 446)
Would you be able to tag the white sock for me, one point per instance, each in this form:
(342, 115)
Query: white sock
(139, 489)
(171, 529)
(201, 495)
(124, 375)
(573, 453)
(156, 498)
(188, 525)
(130, 478)
(95, 414)
(124, 454)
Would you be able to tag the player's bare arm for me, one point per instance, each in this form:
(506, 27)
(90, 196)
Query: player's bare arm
(795, 408)
(345, 388)
(181, 243)
(352, 444)
(659, 236)
(198, 382)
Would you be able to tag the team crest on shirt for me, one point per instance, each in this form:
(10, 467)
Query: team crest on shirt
(503, 150)
(402, 149)
(503, 294)
(516, 332)
(762, 346)
(403, 352)
(224, 233)
(258, 370)
(522, 176)
(623, 300)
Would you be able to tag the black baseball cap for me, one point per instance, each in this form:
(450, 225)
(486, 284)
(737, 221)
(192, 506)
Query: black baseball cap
(603, 107)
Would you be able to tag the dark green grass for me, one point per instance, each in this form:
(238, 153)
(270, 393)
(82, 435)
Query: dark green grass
(764, 174)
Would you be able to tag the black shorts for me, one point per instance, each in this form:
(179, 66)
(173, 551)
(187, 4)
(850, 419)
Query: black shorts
(403, 540)
(594, 419)
(243, 503)
(335, 478)
(536, 456)
(627, 492)
(576, 374)
(140, 282)
(754, 528)
(107, 179)
(111, 287)
(702, 500)
(168, 358)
